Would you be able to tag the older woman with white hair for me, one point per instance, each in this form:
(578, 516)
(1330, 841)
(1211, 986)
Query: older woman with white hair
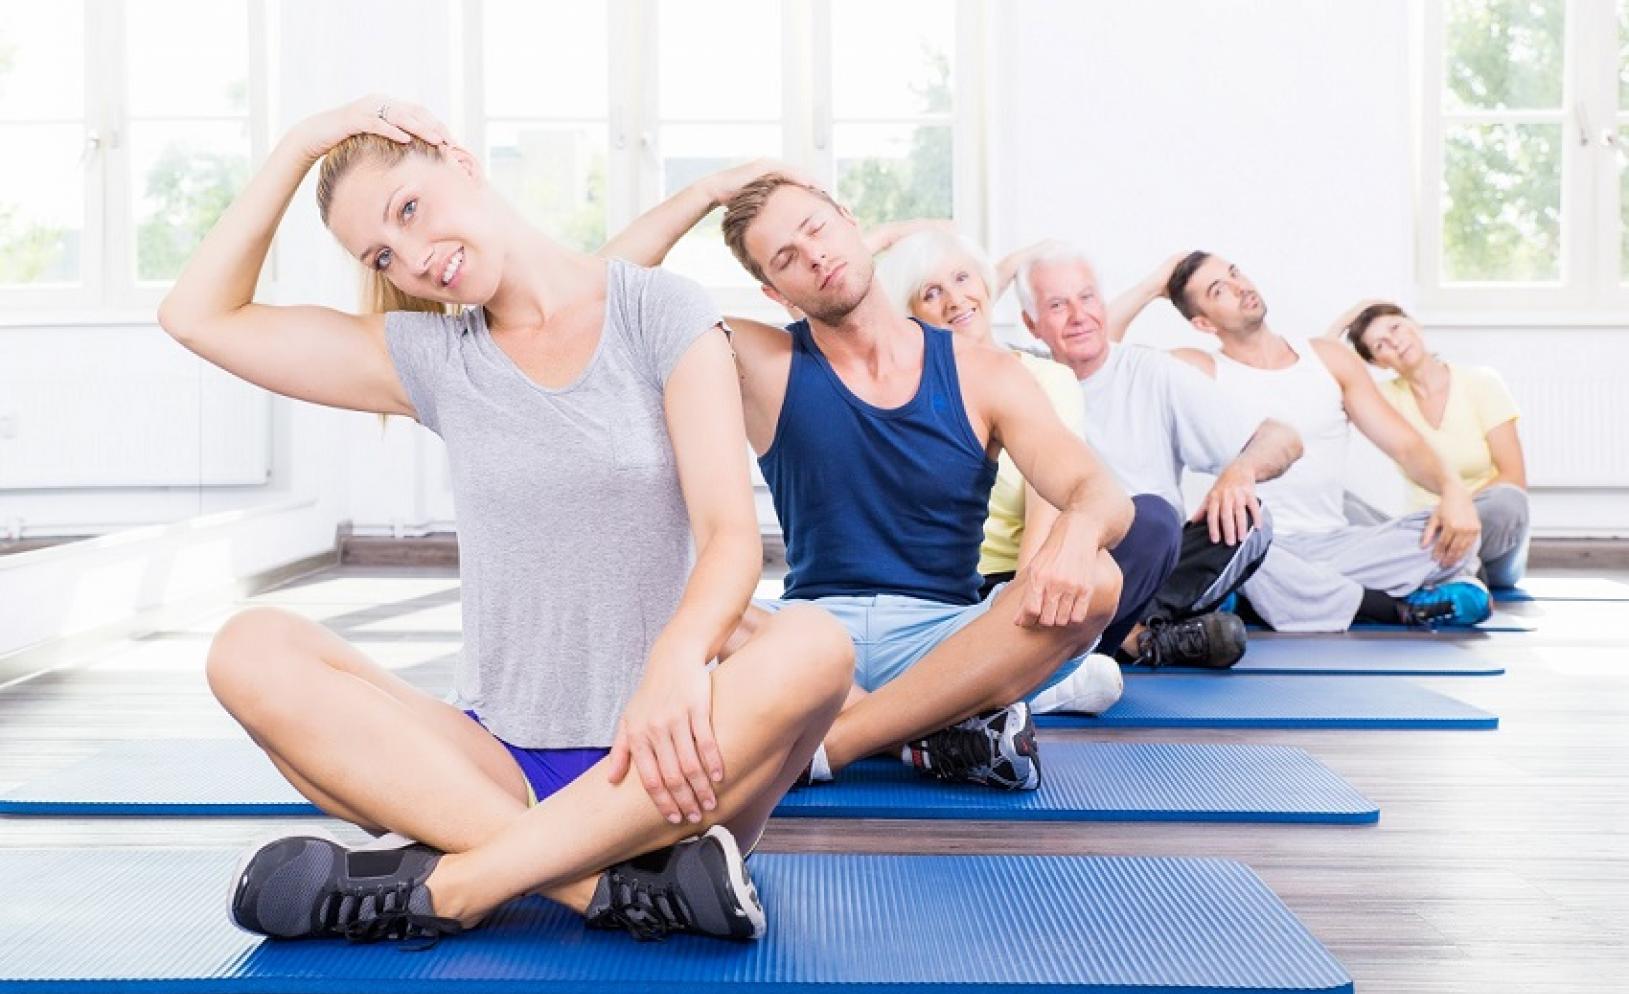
(941, 278)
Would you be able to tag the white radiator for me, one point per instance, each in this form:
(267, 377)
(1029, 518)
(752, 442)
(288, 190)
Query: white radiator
(189, 426)
(1574, 426)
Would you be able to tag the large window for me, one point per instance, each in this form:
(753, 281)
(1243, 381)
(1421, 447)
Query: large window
(1525, 189)
(592, 112)
(128, 128)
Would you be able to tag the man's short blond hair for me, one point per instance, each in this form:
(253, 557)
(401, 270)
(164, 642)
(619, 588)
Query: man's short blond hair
(742, 209)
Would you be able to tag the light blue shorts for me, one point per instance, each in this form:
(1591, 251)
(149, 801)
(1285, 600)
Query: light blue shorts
(892, 632)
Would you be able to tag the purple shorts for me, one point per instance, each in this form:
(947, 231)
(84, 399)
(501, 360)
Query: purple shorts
(548, 770)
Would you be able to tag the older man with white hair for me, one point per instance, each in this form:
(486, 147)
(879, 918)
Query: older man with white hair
(1148, 416)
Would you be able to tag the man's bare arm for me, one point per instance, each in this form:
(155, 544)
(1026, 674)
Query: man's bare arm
(651, 236)
(1123, 310)
(1094, 513)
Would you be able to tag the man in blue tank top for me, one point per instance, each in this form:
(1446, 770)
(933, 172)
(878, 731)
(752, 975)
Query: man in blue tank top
(878, 437)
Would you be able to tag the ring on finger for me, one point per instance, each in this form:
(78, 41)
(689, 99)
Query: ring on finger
(381, 111)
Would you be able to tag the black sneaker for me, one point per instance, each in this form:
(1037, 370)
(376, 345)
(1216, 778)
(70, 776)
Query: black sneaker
(1213, 641)
(310, 887)
(995, 748)
(1425, 615)
(699, 885)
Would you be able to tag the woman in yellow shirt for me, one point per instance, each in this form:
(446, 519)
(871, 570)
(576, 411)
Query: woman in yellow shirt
(1469, 417)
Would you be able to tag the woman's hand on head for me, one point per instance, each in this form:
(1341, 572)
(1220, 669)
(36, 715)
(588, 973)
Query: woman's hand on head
(375, 114)
(726, 183)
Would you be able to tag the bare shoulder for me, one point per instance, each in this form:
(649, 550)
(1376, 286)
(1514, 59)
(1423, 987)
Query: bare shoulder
(757, 339)
(987, 364)
(1198, 359)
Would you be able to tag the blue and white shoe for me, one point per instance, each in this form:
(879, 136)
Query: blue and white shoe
(1467, 601)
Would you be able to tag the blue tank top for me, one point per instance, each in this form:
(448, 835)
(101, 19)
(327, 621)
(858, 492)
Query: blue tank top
(878, 500)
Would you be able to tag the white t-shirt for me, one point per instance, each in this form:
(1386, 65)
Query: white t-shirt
(1149, 415)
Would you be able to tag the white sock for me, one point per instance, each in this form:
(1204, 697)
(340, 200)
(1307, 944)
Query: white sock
(819, 765)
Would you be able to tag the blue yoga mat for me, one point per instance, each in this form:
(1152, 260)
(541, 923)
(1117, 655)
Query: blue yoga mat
(1230, 700)
(1339, 654)
(1498, 621)
(1564, 588)
(852, 923)
(1082, 781)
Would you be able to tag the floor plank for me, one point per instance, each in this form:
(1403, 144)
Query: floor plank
(1500, 864)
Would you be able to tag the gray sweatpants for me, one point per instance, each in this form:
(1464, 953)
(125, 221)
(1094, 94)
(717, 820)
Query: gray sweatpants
(1503, 510)
(1314, 582)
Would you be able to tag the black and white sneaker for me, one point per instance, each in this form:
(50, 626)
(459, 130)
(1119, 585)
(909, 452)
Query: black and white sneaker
(699, 886)
(311, 887)
(995, 748)
(1213, 641)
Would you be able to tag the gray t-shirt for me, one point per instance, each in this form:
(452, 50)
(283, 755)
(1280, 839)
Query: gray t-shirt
(1148, 415)
(574, 543)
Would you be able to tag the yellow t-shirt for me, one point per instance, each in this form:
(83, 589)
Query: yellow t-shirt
(1004, 527)
(1478, 402)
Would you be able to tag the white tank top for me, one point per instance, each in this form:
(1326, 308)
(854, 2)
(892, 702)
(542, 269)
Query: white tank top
(1310, 496)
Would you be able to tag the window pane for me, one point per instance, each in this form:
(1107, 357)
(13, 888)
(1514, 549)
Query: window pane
(42, 204)
(1623, 202)
(691, 151)
(1623, 55)
(183, 176)
(187, 57)
(708, 48)
(42, 61)
(555, 175)
(892, 172)
(891, 58)
(545, 59)
(1502, 203)
(1504, 54)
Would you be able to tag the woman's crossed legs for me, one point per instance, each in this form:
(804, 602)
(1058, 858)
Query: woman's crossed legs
(364, 745)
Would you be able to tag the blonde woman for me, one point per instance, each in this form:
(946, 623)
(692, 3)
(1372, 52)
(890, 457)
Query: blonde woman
(593, 423)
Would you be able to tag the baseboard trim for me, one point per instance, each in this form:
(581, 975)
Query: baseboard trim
(1579, 553)
(440, 549)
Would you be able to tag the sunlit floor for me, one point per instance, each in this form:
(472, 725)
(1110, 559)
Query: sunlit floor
(1501, 861)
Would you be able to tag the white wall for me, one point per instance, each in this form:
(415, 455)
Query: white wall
(1279, 135)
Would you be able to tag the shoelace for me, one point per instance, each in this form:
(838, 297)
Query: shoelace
(1176, 640)
(957, 752)
(646, 910)
(368, 914)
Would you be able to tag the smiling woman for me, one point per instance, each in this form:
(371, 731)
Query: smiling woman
(379, 295)
(550, 375)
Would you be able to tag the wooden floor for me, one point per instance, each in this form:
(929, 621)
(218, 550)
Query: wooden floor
(1500, 864)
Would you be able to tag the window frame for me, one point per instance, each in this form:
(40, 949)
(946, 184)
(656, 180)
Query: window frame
(1591, 278)
(109, 290)
(634, 163)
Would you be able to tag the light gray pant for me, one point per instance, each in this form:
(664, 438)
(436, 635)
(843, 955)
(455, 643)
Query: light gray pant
(1503, 510)
(1314, 582)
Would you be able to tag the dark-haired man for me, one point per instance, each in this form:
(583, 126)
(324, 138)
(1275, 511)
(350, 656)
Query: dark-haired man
(878, 437)
(1322, 572)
